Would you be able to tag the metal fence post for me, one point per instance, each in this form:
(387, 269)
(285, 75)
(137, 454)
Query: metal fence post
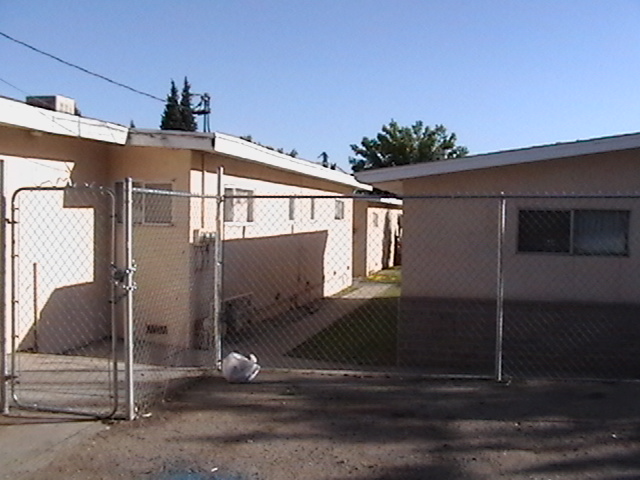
(4, 324)
(217, 271)
(500, 288)
(128, 299)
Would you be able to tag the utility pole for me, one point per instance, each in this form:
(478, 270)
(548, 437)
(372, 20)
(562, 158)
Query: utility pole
(203, 108)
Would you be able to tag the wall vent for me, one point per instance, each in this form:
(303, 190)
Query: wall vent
(157, 329)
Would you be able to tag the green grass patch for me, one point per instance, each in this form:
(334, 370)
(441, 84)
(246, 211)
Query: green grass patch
(364, 336)
(389, 275)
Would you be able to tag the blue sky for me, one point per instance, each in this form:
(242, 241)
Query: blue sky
(318, 75)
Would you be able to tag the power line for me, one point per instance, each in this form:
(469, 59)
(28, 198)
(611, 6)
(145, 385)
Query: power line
(53, 120)
(205, 110)
(12, 85)
(82, 69)
(41, 113)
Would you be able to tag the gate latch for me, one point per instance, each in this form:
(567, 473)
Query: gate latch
(119, 277)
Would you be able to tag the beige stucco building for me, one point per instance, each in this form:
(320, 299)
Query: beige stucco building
(279, 253)
(377, 231)
(563, 256)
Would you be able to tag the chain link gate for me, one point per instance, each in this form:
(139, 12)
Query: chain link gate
(63, 324)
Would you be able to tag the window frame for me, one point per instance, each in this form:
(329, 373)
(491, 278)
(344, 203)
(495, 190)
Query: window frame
(526, 246)
(139, 203)
(145, 208)
(312, 209)
(236, 194)
(339, 212)
(292, 209)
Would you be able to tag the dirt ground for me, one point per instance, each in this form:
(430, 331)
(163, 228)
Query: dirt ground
(295, 426)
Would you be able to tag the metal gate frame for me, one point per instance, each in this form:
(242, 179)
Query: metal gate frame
(9, 359)
(135, 392)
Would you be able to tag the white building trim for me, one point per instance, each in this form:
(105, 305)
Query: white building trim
(501, 158)
(241, 149)
(18, 114)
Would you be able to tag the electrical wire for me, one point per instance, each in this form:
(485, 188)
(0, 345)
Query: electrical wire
(53, 120)
(82, 69)
(41, 113)
(85, 70)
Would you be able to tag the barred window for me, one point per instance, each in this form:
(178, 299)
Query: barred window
(339, 212)
(147, 208)
(238, 205)
(574, 232)
(155, 208)
(292, 208)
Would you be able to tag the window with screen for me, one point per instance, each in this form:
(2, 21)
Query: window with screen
(574, 232)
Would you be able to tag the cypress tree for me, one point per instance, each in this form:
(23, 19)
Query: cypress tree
(171, 117)
(186, 110)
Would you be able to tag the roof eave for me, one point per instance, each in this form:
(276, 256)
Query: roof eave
(249, 151)
(14, 113)
(392, 175)
(235, 147)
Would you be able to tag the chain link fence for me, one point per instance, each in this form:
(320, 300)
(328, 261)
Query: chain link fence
(173, 270)
(530, 286)
(521, 286)
(290, 293)
(571, 303)
(164, 288)
(62, 348)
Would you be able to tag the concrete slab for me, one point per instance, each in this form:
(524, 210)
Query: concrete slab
(30, 441)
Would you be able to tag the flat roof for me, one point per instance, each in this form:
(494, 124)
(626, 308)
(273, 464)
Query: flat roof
(391, 178)
(229, 145)
(16, 113)
(19, 114)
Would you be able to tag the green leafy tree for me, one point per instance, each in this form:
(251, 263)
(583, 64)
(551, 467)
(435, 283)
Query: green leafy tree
(189, 123)
(171, 117)
(396, 145)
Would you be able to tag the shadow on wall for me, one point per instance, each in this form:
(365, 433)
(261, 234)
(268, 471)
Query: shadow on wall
(391, 242)
(397, 244)
(276, 273)
(386, 242)
(72, 317)
(58, 312)
(540, 339)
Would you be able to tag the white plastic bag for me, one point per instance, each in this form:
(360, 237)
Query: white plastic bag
(237, 368)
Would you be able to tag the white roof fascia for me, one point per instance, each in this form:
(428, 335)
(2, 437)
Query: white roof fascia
(390, 201)
(385, 201)
(502, 158)
(236, 147)
(173, 139)
(18, 114)
(241, 149)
